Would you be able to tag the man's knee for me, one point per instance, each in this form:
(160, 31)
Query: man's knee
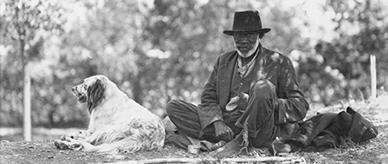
(172, 107)
(264, 89)
(180, 107)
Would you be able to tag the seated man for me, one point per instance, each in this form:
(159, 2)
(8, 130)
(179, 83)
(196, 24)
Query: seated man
(251, 89)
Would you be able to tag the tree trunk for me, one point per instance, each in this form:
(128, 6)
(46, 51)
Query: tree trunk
(373, 76)
(137, 89)
(27, 104)
(2, 84)
(26, 93)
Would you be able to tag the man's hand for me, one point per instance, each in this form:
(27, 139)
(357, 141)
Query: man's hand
(223, 131)
(243, 101)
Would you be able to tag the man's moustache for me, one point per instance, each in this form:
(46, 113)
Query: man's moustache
(244, 48)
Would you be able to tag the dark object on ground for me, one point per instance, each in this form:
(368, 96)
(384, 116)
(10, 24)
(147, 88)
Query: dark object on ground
(330, 130)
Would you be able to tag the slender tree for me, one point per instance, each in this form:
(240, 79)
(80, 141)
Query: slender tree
(24, 19)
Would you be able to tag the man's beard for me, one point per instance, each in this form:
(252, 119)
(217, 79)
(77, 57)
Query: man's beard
(250, 52)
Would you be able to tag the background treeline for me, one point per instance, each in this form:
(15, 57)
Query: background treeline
(163, 49)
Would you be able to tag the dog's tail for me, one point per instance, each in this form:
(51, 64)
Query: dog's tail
(169, 126)
(127, 145)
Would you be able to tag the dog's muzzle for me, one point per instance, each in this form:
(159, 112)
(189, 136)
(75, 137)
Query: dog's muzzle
(80, 96)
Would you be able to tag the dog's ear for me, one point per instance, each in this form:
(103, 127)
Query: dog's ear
(95, 94)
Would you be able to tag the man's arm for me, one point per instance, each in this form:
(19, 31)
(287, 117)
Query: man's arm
(291, 105)
(209, 109)
(210, 112)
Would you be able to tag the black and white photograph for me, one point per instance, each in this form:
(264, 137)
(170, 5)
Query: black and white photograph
(193, 81)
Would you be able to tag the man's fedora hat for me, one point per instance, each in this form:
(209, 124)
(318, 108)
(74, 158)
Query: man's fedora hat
(247, 22)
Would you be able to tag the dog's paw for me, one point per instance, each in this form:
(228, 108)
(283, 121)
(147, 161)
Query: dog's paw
(79, 144)
(76, 146)
(60, 144)
(67, 143)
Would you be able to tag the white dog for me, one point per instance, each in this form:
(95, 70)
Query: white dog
(117, 123)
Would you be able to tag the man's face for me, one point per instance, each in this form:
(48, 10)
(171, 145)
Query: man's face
(246, 42)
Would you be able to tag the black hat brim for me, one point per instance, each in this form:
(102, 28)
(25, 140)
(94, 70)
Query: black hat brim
(263, 30)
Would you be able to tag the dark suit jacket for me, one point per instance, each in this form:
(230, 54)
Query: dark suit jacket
(291, 106)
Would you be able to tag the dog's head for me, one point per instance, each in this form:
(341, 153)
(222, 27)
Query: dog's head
(91, 90)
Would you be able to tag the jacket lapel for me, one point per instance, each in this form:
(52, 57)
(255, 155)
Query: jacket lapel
(225, 77)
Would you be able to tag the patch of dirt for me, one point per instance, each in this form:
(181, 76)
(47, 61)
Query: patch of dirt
(46, 152)
(374, 151)
(43, 152)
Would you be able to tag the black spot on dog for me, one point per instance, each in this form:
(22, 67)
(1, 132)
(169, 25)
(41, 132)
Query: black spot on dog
(95, 94)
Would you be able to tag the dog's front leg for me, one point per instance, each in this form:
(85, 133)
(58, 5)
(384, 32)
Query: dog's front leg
(94, 138)
(79, 144)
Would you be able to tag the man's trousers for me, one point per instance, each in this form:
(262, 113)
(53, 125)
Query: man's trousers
(258, 117)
